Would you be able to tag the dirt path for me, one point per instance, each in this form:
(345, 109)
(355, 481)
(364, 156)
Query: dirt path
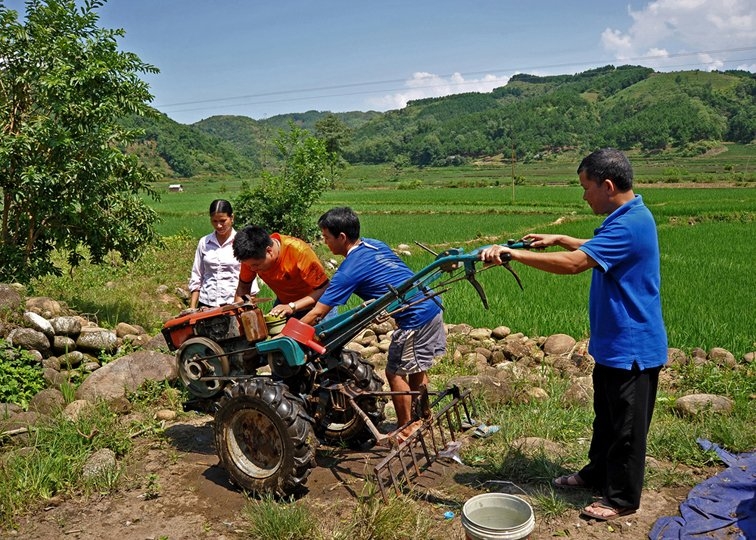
(190, 497)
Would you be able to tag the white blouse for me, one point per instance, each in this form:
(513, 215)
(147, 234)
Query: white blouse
(215, 272)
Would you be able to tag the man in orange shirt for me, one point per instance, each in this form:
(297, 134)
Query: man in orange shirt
(286, 264)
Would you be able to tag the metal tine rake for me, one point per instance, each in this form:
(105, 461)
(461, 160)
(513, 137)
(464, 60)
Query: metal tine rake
(410, 458)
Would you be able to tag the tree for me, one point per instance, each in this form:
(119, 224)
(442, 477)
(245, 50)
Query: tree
(282, 202)
(337, 137)
(65, 180)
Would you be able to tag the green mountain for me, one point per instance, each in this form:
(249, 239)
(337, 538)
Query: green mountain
(625, 107)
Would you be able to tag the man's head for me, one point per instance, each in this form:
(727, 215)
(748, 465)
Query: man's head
(254, 246)
(607, 180)
(340, 228)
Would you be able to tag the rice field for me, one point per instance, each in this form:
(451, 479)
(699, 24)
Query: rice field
(706, 235)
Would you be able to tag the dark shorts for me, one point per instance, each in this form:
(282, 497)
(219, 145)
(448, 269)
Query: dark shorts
(413, 351)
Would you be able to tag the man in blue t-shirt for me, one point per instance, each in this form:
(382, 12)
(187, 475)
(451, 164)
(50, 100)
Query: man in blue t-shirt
(628, 340)
(369, 267)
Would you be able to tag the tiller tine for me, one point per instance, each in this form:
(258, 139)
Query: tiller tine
(410, 458)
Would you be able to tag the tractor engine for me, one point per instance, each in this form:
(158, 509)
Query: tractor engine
(214, 344)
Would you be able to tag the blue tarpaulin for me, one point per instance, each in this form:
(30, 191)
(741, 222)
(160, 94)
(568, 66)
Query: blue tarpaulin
(722, 507)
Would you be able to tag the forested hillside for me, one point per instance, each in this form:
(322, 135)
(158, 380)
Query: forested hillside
(626, 107)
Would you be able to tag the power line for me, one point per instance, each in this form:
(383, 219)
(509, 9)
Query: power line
(402, 81)
(347, 94)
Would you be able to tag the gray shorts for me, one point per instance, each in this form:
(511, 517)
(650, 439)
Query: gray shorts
(413, 351)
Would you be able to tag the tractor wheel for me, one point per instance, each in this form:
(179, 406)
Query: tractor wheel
(347, 426)
(202, 357)
(264, 439)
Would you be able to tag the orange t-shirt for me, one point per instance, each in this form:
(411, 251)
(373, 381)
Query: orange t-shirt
(295, 275)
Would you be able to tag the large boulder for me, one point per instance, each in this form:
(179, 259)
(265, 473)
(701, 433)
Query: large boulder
(126, 374)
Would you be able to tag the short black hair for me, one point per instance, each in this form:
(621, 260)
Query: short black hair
(341, 220)
(251, 243)
(610, 164)
(221, 206)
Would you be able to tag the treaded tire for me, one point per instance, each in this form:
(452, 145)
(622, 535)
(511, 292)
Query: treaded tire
(348, 427)
(264, 439)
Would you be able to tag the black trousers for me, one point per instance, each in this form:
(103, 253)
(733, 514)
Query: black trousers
(623, 403)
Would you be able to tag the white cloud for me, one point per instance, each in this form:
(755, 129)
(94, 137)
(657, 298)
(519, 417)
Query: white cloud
(425, 85)
(673, 34)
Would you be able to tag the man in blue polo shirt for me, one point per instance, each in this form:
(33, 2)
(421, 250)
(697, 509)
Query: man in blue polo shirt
(368, 269)
(628, 340)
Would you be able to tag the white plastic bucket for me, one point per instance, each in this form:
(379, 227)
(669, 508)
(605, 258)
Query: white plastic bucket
(497, 516)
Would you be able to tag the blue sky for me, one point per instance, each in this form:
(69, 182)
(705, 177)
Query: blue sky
(259, 58)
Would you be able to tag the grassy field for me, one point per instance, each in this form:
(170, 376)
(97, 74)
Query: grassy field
(705, 232)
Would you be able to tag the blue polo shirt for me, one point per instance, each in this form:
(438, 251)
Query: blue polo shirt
(367, 271)
(625, 304)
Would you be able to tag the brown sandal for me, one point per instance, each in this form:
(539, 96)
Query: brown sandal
(603, 511)
(570, 481)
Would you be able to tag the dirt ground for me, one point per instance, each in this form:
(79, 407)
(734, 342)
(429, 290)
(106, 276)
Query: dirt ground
(195, 500)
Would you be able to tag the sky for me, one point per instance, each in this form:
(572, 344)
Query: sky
(261, 58)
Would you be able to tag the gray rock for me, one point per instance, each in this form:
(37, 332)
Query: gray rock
(63, 344)
(126, 374)
(463, 329)
(10, 299)
(97, 340)
(101, 462)
(53, 377)
(28, 338)
(66, 326)
(72, 359)
(39, 323)
(48, 401)
(695, 404)
(157, 343)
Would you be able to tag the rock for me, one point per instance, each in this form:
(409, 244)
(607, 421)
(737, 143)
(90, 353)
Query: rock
(500, 332)
(42, 305)
(76, 408)
(749, 357)
(10, 299)
(559, 344)
(39, 323)
(157, 343)
(124, 329)
(463, 329)
(480, 333)
(101, 462)
(514, 349)
(126, 374)
(97, 340)
(580, 392)
(28, 338)
(66, 326)
(495, 390)
(536, 446)
(63, 344)
(72, 359)
(536, 394)
(676, 357)
(53, 377)
(722, 357)
(695, 404)
(48, 401)
(165, 414)
(367, 352)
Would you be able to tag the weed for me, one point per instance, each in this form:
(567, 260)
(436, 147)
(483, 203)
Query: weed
(273, 520)
(152, 488)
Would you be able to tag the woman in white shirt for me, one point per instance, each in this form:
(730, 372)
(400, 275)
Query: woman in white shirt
(215, 273)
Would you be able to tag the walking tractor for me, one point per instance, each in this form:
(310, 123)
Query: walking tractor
(277, 392)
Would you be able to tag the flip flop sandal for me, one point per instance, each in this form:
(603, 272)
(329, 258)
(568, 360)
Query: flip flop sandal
(570, 481)
(594, 511)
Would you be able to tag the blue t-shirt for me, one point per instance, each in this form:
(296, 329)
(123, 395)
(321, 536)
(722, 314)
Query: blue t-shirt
(367, 271)
(625, 304)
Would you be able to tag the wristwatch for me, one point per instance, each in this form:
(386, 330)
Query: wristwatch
(293, 306)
